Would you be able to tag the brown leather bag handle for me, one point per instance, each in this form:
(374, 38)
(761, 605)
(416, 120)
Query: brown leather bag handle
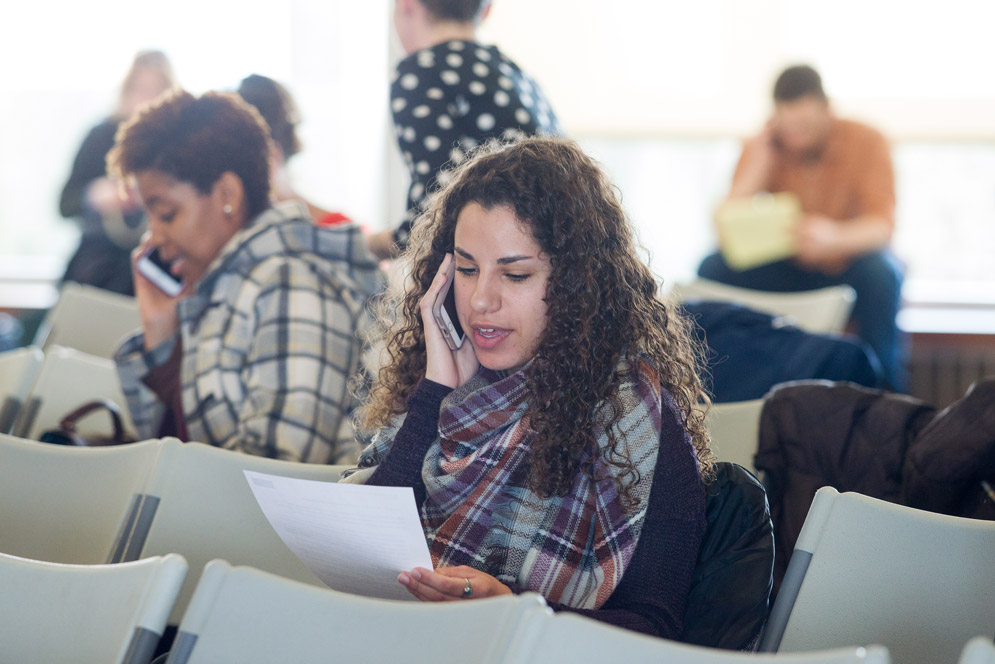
(68, 423)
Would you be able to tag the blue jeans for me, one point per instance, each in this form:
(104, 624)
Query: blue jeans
(876, 278)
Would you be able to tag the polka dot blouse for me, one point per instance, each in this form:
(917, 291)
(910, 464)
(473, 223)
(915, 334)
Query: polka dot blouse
(450, 98)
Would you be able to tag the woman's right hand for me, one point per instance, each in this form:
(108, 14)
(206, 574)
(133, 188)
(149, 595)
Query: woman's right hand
(443, 365)
(157, 310)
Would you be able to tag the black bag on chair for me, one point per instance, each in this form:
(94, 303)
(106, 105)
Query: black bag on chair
(730, 588)
(67, 434)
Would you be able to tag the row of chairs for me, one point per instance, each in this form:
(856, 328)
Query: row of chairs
(38, 388)
(42, 383)
(91, 320)
(115, 504)
(734, 430)
(864, 571)
(868, 571)
(932, 576)
(116, 613)
(72, 348)
(734, 427)
(821, 311)
(124, 503)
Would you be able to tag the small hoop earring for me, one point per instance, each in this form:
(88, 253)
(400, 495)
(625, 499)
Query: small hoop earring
(227, 209)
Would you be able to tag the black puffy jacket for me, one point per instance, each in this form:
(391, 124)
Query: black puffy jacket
(730, 588)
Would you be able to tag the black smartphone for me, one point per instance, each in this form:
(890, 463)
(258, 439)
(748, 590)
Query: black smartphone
(444, 310)
(157, 269)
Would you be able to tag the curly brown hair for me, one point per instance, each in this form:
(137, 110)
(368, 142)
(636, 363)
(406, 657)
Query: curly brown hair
(601, 300)
(196, 140)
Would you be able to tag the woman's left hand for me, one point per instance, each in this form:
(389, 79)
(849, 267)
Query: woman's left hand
(450, 583)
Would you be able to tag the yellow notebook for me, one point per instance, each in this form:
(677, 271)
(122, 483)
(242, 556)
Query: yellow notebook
(758, 230)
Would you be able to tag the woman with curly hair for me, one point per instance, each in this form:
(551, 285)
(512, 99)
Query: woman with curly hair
(558, 450)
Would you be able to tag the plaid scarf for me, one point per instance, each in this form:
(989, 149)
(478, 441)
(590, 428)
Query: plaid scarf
(479, 510)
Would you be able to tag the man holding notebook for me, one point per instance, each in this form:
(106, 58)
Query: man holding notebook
(840, 174)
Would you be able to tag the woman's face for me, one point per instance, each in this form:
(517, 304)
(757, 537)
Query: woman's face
(188, 227)
(501, 278)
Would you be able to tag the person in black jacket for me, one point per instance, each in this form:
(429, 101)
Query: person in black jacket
(111, 220)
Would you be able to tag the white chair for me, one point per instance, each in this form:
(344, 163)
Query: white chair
(69, 504)
(198, 503)
(68, 378)
(867, 571)
(979, 650)
(18, 370)
(734, 428)
(573, 639)
(245, 616)
(822, 311)
(91, 320)
(85, 614)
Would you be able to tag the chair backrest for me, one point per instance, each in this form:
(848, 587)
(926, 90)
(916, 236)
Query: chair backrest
(734, 428)
(246, 616)
(91, 320)
(730, 587)
(199, 504)
(69, 504)
(867, 571)
(86, 614)
(68, 378)
(18, 370)
(572, 639)
(823, 311)
(979, 650)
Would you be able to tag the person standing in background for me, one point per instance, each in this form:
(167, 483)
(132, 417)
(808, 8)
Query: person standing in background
(111, 219)
(841, 172)
(451, 94)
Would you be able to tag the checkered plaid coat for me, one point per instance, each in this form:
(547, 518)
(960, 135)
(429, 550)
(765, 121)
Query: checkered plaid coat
(269, 339)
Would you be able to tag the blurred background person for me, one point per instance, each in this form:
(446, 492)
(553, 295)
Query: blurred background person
(451, 94)
(274, 103)
(110, 217)
(841, 171)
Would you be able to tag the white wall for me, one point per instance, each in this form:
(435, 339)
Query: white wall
(658, 67)
(63, 63)
(659, 90)
(662, 91)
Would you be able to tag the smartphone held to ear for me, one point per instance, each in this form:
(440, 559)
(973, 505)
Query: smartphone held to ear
(444, 311)
(157, 270)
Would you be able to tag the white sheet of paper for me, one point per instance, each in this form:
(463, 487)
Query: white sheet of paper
(355, 538)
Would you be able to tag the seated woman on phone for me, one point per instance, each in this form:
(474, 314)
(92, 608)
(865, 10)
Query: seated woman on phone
(554, 447)
(249, 335)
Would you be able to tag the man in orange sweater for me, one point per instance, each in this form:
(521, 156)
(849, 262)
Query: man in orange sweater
(842, 174)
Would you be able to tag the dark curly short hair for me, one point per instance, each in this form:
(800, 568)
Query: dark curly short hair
(797, 82)
(196, 140)
(456, 10)
(602, 306)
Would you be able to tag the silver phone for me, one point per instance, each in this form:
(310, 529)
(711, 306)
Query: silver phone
(156, 269)
(444, 311)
